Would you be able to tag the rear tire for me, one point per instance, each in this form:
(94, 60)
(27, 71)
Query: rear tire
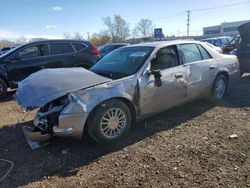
(110, 122)
(3, 88)
(219, 88)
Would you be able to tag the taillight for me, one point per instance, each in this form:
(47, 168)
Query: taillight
(94, 51)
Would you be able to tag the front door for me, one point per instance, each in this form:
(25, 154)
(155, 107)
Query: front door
(26, 61)
(172, 89)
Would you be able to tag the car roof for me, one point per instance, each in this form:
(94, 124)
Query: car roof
(44, 41)
(55, 40)
(215, 38)
(114, 44)
(163, 43)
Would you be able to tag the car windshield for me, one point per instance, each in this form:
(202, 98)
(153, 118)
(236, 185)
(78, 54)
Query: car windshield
(234, 40)
(122, 62)
(10, 51)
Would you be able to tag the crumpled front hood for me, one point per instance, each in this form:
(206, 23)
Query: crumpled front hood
(244, 31)
(49, 84)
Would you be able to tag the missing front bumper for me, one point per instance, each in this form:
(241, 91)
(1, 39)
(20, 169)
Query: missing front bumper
(34, 138)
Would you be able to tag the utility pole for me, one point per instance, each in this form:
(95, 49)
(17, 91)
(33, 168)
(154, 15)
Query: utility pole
(88, 35)
(188, 22)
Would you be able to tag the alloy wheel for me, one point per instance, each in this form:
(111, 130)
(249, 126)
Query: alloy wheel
(219, 88)
(113, 123)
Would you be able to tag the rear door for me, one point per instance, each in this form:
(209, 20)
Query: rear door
(84, 58)
(172, 91)
(62, 54)
(200, 69)
(26, 61)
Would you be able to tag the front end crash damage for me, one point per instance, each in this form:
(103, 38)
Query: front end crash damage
(64, 109)
(64, 117)
(67, 116)
(61, 111)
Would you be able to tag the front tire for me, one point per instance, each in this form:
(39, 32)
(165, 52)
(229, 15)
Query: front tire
(110, 121)
(3, 88)
(219, 88)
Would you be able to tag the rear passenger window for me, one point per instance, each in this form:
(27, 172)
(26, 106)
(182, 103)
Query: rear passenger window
(79, 46)
(61, 48)
(191, 53)
(204, 53)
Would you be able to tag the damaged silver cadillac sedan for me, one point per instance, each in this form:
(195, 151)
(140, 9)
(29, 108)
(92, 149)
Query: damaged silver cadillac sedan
(127, 85)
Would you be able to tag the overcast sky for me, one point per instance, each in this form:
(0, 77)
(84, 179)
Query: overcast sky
(52, 18)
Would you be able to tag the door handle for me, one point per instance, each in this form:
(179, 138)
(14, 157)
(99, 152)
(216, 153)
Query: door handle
(212, 67)
(179, 75)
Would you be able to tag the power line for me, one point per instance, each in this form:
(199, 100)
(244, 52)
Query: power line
(222, 6)
(163, 18)
(170, 16)
(197, 10)
(210, 8)
(202, 9)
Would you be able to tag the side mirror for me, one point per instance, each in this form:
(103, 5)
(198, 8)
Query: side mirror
(157, 75)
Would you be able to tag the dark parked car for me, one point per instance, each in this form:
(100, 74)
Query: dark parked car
(107, 48)
(218, 41)
(234, 43)
(17, 64)
(6, 49)
(243, 51)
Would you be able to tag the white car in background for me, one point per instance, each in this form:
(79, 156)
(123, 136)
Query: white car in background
(218, 49)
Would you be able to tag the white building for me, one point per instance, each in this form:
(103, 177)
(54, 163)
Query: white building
(224, 29)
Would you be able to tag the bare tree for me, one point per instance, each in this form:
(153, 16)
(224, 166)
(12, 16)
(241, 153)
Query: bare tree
(118, 28)
(78, 36)
(88, 36)
(36, 39)
(21, 40)
(66, 35)
(134, 34)
(145, 28)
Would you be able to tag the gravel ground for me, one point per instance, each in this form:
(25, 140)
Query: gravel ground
(188, 146)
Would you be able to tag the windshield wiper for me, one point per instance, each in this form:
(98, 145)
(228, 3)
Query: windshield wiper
(105, 74)
(112, 75)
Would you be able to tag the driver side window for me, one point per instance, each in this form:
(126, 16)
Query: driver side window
(32, 51)
(165, 58)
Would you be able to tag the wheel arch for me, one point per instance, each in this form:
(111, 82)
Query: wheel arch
(5, 80)
(129, 103)
(224, 73)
